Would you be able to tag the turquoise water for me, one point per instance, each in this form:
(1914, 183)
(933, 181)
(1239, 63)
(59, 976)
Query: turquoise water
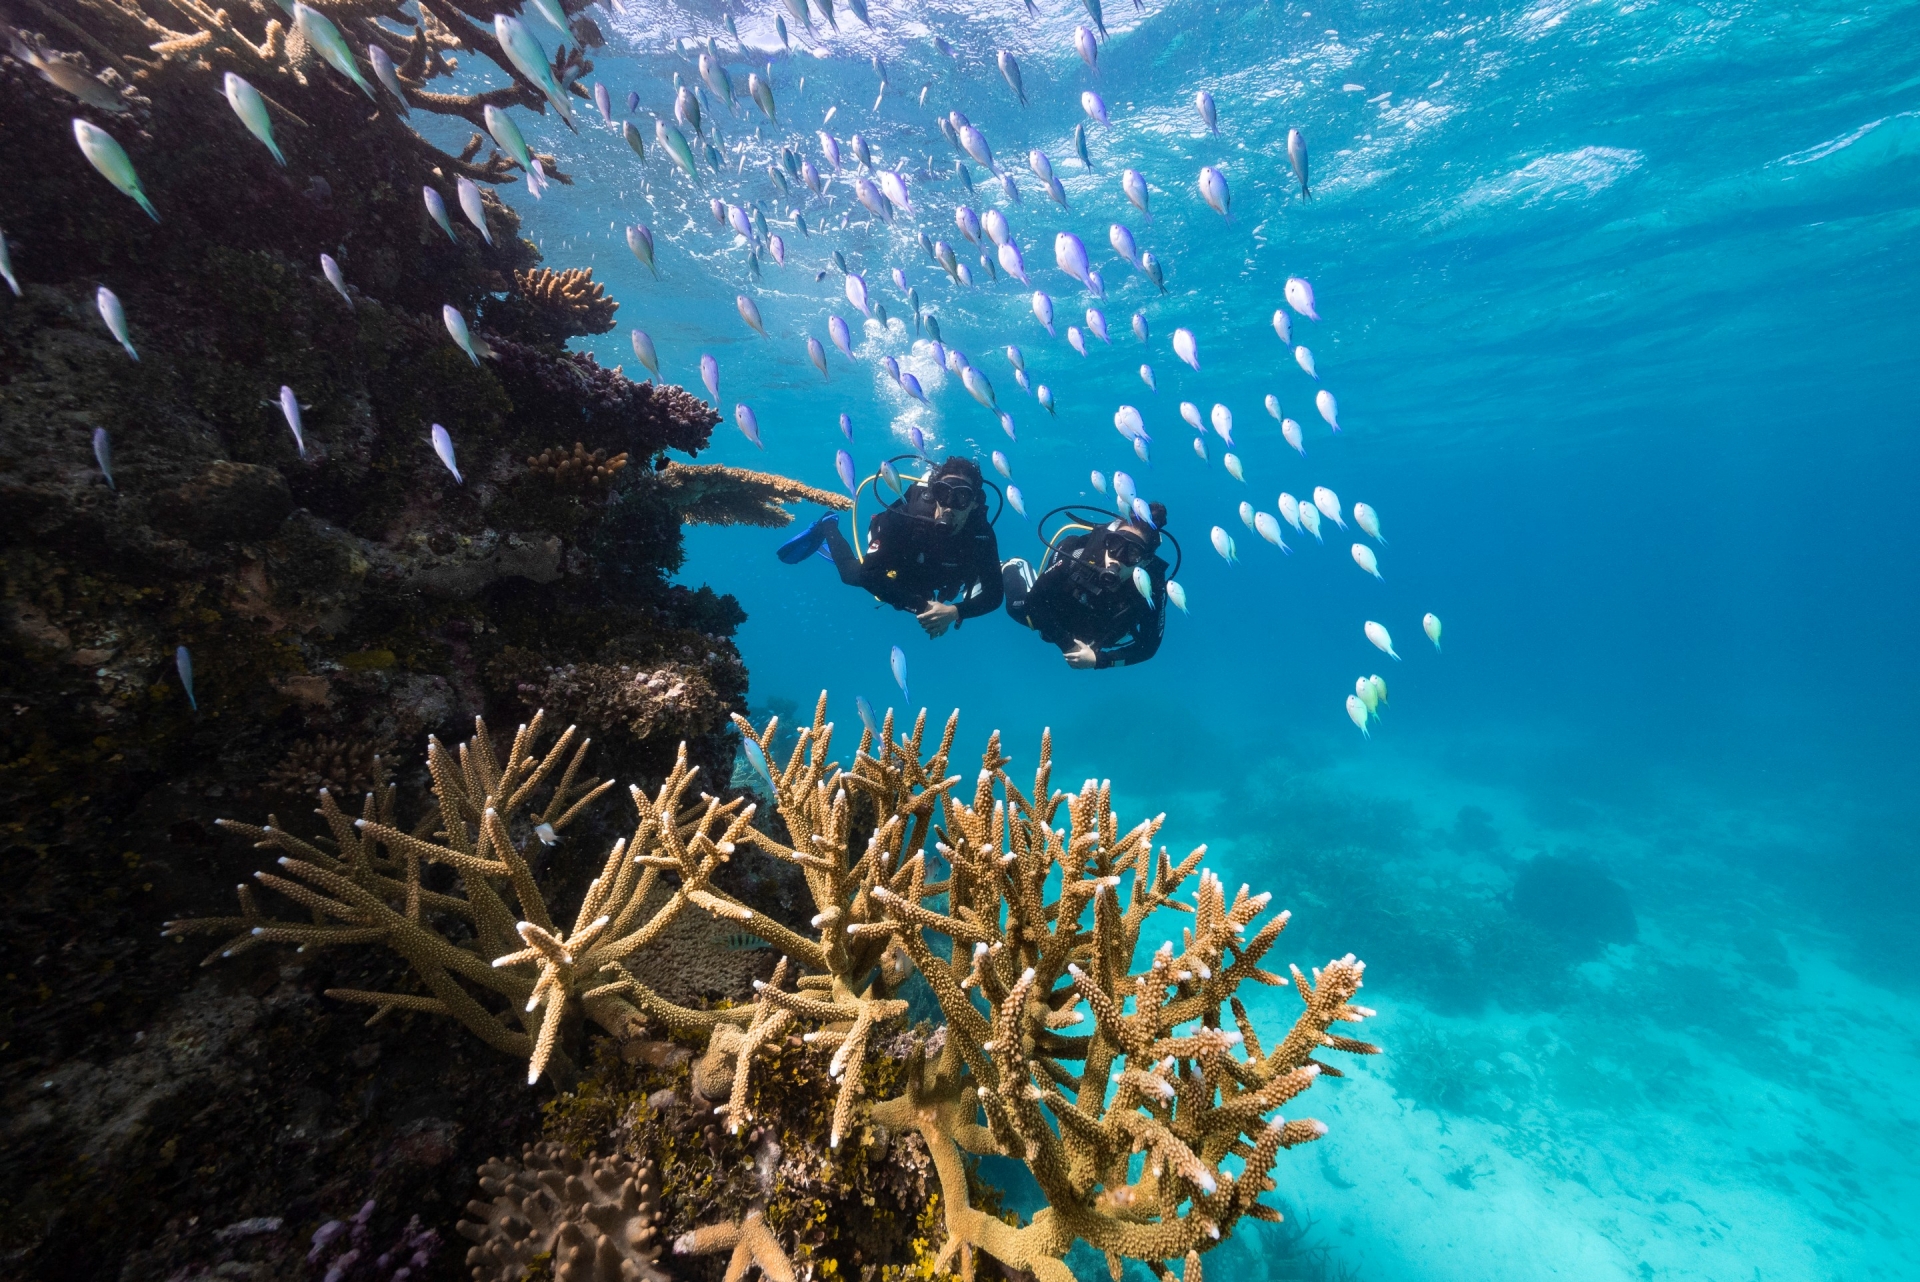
(1618, 302)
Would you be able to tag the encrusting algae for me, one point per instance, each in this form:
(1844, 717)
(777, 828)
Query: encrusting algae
(1142, 1099)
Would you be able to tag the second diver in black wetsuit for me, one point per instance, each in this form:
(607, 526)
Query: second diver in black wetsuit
(931, 552)
(1084, 598)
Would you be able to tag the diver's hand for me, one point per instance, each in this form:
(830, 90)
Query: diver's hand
(1082, 656)
(938, 617)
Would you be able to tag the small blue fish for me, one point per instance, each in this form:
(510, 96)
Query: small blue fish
(116, 319)
(1080, 145)
(290, 406)
(183, 664)
(1016, 500)
(331, 270)
(841, 335)
(469, 194)
(866, 716)
(748, 422)
(633, 101)
(710, 375)
(1143, 582)
(457, 326)
(843, 464)
(438, 209)
(1177, 595)
(817, 353)
(643, 351)
(892, 478)
(603, 102)
(443, 446)
(899, 663)
(387, 74)
(1044, 395)
(758, 760)
(911, 386)
(1140, 326)
(103, 455)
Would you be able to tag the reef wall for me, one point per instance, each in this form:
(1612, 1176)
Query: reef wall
(341, 597)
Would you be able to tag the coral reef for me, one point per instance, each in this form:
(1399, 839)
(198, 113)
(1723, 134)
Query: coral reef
(594, 1221)
(592, 471)
(715, 494)
(1013, 924)
(334, 589)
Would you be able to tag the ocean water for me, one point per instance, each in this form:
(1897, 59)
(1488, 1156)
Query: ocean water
(1618, 302)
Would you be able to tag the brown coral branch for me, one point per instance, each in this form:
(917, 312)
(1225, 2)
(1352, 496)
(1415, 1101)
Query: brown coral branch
(715, 494)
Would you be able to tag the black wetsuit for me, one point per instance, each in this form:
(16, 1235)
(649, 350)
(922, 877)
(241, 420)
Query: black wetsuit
(1072, 601)
(913, 560)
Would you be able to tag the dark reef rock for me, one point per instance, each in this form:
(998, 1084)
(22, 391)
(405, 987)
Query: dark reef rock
(354, 597)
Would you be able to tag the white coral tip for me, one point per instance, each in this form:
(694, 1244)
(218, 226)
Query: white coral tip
(258, 930)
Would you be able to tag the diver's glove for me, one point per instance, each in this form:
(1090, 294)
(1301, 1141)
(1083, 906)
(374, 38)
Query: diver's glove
(808, 541)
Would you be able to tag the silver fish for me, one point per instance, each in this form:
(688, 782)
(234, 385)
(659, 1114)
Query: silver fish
(1297, 156)
(644, 352)
(443, 446)
(469, 194)
(331, 270)
(1080, 145)
(388, 75)
(103, 455)
(437, 208)
(290, 407)
(183, 664)
(1010, 68)
(108, 157)
(110, 311)
(6, 267)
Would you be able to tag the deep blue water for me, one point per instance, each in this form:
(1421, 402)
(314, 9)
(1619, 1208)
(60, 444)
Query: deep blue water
(1619, 305)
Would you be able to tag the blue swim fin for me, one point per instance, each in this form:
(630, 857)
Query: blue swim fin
(808, 541)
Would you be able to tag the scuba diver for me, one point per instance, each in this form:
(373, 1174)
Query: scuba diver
(932, 551)
(1088, 598)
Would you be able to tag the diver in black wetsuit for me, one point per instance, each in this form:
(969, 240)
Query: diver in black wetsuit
(1084, 599)
(932, 551)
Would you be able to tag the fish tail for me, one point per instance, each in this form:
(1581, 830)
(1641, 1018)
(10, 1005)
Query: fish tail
(146, 204)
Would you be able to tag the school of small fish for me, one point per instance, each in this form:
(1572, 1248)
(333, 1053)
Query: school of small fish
(813, 182)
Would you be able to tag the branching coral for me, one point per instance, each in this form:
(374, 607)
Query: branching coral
(715, 494)
(570, 302)
(583, 469)
(1152, 1133)
(595, 1221)
(364, 885)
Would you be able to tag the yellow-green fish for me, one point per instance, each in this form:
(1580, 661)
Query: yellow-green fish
(329, 44)
(110, 158)
(675, 143)
(252, 110)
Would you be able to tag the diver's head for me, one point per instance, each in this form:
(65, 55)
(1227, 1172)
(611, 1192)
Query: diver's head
(1132, 541)
(955, 489)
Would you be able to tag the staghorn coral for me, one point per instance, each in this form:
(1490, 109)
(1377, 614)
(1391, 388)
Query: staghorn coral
(1029, 924)
(591, 471)
(568, 303)
(371, 891)
(592, 1220)
(340, 765)
(991, 928)
(715, 494)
